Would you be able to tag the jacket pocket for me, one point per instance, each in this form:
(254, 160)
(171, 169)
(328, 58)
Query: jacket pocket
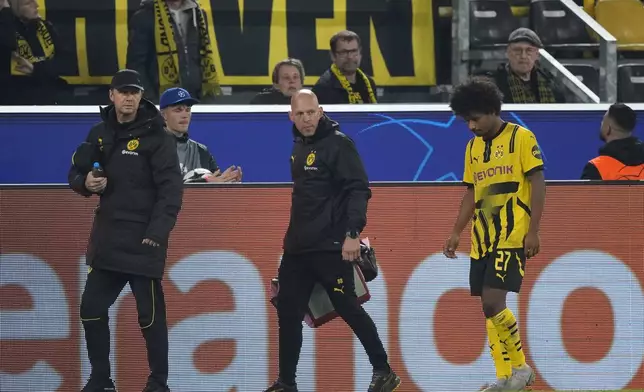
(126, 232)
(129, 217)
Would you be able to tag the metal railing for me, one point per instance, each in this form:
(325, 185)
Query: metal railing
(460, 40)
(462, 53)
(570, 81)
(607, 53)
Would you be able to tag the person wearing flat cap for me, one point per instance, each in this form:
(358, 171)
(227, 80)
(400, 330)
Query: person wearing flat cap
(521, 80)
(131, 162)
(196, 162)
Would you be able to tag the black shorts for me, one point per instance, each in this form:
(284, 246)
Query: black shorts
(502, 269)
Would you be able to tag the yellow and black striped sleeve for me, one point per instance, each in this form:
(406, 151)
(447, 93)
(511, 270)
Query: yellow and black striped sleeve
(530, 153)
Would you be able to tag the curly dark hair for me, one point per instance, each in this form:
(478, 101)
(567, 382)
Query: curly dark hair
(478, 95)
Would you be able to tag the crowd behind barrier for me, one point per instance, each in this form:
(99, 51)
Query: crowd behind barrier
(93, 40)
(65, 52)
(581, 308)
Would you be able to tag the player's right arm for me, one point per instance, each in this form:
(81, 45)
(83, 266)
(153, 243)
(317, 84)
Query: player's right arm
(466, 210)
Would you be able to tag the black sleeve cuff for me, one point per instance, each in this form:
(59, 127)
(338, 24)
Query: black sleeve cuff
(534, 170)
(468, 184)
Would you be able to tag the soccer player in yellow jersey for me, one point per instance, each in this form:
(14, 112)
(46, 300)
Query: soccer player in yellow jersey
(504, 200)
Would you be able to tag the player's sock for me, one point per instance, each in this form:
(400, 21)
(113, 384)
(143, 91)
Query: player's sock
(508, 329)
(501, 358)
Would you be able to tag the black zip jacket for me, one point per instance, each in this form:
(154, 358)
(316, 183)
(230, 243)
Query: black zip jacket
(270, 96)
(329, 90)
(143, 194)
(629, 151)
(330, 190)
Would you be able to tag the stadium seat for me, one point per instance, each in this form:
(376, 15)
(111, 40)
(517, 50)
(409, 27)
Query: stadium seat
(491, 22)
(519, 11)
(630, 82)
(624, 19)
(557, 26)
(586, 73)
(520, 8)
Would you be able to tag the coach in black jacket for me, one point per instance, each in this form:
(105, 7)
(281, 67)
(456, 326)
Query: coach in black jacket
(140, 198)
(328, 211)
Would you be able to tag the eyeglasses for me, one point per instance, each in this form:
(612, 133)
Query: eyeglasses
(530, 51)
(347, 53)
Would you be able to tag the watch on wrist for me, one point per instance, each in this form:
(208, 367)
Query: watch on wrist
(353, 234)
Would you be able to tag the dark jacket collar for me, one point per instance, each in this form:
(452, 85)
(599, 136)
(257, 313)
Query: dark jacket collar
(180, 137)
(629, 151)
(326, 127)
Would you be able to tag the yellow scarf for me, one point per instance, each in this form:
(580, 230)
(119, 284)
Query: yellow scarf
(354, 96)
(24, 50)
(168, 58)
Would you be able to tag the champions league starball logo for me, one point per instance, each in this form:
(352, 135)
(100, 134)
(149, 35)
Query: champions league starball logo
(429, 134)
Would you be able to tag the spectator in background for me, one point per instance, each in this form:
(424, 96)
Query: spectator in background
(622, 157)
(29, 56)
(521, 80)
(196, 162)
(173, 49)
(288, 77)
(344, 81)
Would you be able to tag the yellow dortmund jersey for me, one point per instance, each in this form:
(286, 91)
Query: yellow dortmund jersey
(498, 170)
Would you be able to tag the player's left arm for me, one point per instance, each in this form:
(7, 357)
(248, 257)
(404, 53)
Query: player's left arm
(537, 199)
(532, 167)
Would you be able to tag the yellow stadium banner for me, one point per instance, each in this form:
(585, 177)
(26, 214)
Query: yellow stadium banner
(252, 35)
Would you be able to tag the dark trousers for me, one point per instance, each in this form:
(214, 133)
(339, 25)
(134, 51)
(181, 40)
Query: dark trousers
(297, 277)
(101, 290)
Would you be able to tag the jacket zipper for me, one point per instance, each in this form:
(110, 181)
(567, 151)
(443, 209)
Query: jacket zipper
(185, 51)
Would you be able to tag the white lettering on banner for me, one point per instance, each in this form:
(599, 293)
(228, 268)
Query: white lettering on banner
(306, 375)
(247, 324)
(569, 272)
(47, 295)
(377, 307)
(49, 306)
(85, 367)
(113, 313)
(41, 377)
(306, 367)
(433, 278)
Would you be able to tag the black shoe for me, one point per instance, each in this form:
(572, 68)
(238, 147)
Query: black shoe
(154, 386)
(384, 382)
(279, 386)
(99, 385)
